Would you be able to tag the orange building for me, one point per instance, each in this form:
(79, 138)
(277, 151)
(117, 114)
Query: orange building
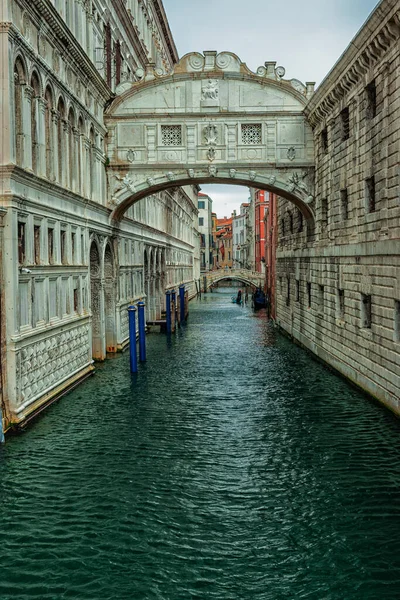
(261, 200)
(271, 241)
(224, 243)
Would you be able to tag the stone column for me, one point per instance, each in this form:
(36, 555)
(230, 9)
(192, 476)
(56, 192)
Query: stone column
(27, 127)
(86, 167)
(65, 154)
(41, 136)
(75, 160)
(55, 115)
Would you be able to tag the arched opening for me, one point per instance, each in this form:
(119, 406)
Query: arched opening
(96, 304)
(34, 121)
(48, 132)
(109, 301)
(19, 82)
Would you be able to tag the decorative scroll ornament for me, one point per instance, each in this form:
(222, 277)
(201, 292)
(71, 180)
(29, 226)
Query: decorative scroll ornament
(291, 153)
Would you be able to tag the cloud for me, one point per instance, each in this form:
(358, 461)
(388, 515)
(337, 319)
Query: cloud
(226, 198)
(306, 37)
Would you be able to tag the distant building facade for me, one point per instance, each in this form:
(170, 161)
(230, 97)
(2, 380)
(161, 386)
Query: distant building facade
(205, 224)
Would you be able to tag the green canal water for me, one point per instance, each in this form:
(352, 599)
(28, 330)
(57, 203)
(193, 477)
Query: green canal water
(232, 467)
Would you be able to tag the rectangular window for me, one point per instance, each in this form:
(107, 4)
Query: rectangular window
(201, 221)
(171, 135)
(340, 304)
(344, 204)
(366, 314)
(321, 291)
(300, 221)
(371, 99)
(73, 246)
(50, 245)
(76, 295)
(283, 226)
(309, 294)
(370, 194)
(21, 242)
(251, 134)
(63, 244)
(287, 291)
(345, 123)
(397, 320)
(297, 290)
(324, 140)
(324, 213)
(202, 204)
(36, 239)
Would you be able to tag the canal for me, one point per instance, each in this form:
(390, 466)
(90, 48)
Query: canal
(232, 467)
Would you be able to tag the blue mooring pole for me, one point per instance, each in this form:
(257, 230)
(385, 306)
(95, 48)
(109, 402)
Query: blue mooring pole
(182, 302)
(132, 338)
(168, 310)
(142, 332)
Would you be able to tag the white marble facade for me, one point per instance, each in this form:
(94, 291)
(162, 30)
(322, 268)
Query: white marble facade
(68, 272)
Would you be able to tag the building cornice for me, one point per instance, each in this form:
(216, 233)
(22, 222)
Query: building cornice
(66, 42)
(161, 17)
(131, 31)
(377, 36)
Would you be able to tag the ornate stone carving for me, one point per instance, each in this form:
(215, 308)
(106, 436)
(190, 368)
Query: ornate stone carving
(210, 135)
(252, 175)
(280, 72)
(291, 153)
(170, 176)
(191, 173)
(211, 154)
(43, 364)
(212, 171)
(210, 90)
(150, 181)
(131, 156)
(232, 173)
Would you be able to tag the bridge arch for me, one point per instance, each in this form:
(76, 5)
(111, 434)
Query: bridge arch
(211, 120)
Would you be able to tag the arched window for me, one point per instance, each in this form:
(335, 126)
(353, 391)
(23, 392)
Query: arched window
(34, 121)
(48, 132)
(60, 138)
(19, 82)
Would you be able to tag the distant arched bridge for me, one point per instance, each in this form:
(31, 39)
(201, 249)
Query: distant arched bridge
(245, 276)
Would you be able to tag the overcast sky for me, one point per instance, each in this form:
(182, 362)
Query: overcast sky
(306, 38)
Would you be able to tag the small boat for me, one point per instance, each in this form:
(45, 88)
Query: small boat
(237, 299)
(259, 299)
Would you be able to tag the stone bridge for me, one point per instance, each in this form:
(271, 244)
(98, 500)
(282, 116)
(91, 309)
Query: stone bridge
(211, 120)
(245, 276)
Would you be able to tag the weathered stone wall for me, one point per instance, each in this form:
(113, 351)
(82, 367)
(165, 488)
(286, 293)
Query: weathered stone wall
(340, 294)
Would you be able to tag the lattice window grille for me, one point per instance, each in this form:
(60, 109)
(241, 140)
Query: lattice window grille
(251, 134)
(171, 135)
